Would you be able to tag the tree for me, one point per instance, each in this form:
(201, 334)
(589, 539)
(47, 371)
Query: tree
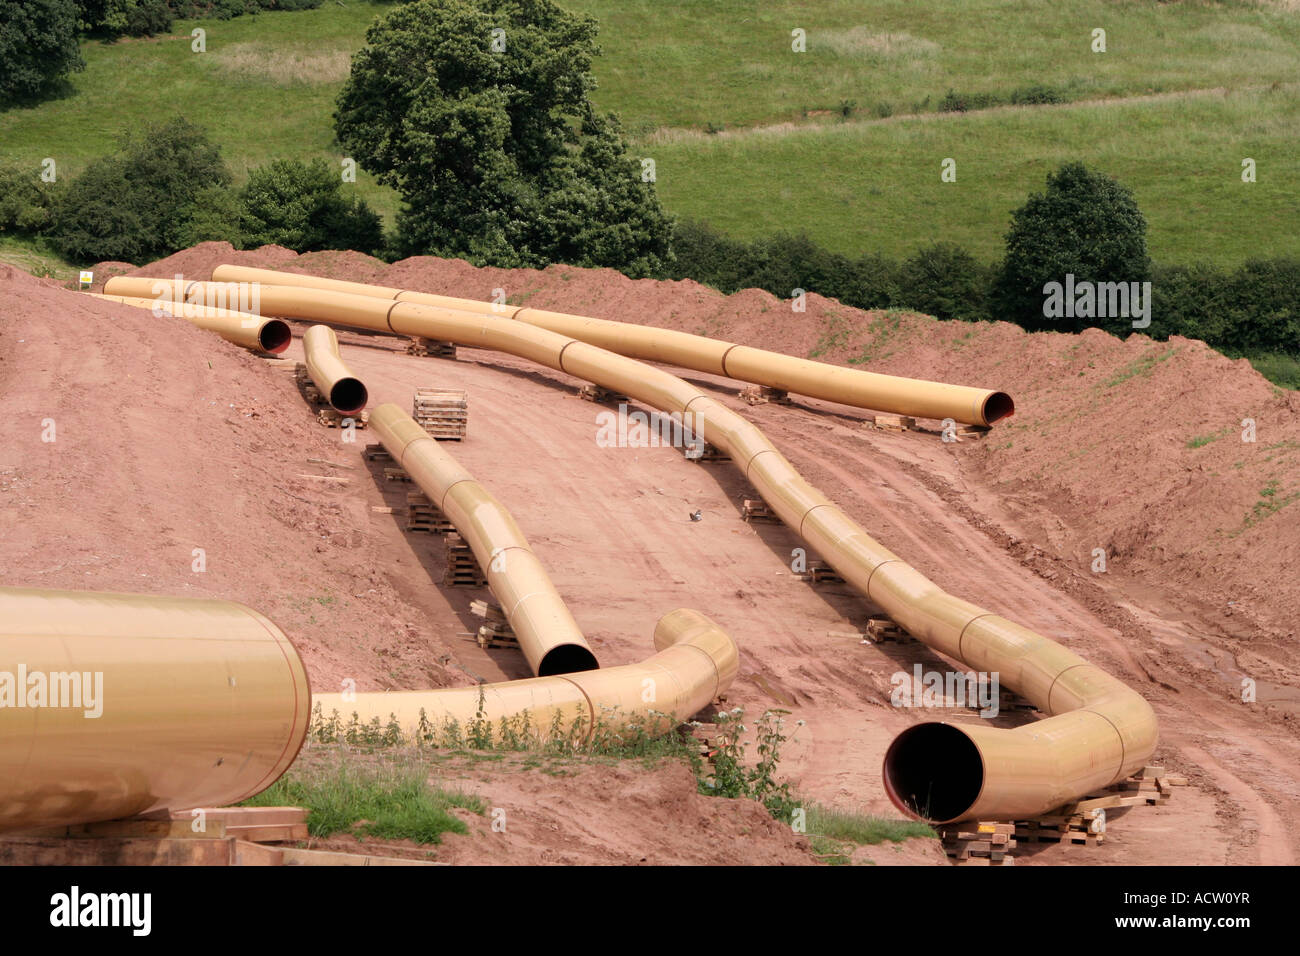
(25, 200)
(38, 47)
(478, 114)
(1086, 225)
(138, 203)
(945, 281)
(117, 18)
(299, 205)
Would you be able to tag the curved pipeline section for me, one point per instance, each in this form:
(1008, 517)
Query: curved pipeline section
(886, 393)
(113, 705)
(242, 328)
(547, 633)
(1099, 730)
(696, 661)
(341, 388)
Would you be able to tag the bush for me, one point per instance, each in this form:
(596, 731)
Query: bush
(300, 206)
(138, 203)
(945, 281)
(25, 201)
(110, 19)
(38, 48)
(1086, 225)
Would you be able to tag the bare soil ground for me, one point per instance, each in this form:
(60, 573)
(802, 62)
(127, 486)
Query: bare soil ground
(169, 440)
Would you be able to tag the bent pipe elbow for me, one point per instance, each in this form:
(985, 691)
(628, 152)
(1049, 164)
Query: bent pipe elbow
(343, 390)
(694, 662)
(856, 387)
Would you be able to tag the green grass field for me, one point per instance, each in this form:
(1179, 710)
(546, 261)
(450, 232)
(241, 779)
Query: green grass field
(786, 158)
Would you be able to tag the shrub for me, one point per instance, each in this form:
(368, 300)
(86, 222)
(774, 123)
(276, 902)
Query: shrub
(945, 281)
(138, 203)
(25, 201)
(300, 206)
(116, 18)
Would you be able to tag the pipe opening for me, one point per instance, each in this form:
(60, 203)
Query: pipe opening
(567, 659)
(997, 407)
(934, 772)
(349, 396)
(275, 336)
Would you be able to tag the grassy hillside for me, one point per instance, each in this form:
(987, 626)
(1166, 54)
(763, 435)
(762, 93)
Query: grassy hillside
(787, 157)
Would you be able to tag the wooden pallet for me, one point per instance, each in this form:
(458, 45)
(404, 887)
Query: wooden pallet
(431, 348)
(883, 630)
(1151, 786)
(972, 431)
(753, 509)
(979, 844)
(495, 630)
(894, 423)
(376, 453)
(1075, 830)
(762, 395)
(442, 412)
(819, 573)
(701, 451)
(332, 419)
(600, 395)
(393, 473)
(423, 515)
(463, 570)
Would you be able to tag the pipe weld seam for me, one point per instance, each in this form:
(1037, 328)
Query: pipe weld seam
(872, 575)
(446, 491)
(724, 359)
(591, 728)
(962, 636)
(807, 513)
(713, 665)
(1118, 736)
(749, 464)
(559, 359)
(1052, 685)
(388, 316)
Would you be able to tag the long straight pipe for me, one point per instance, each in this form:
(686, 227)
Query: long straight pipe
(696, 661)
(113, 705)
(253, 332)
(548, 635)
(343, 390)
(1099, 730)
(834, 383)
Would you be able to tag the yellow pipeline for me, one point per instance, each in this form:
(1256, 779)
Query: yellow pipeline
(250, 331)
(1099, 730)
(696, 661)
(341, 388)
(113, 705)
(548, 635)
(886, 393)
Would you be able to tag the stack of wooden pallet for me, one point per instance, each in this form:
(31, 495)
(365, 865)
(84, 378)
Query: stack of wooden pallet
(894, 423)
(1068, 828)
(762, 395)
(755, 509)
(376, 453)
(442, 412)
(600, 395)
(463, 570)
(883, 630)
(495, 631)
(424, 516)
(979, 844)
(431, 348)
(699, 450)
(820, 573)
(393, 473)
(332, 419)
(971, 431)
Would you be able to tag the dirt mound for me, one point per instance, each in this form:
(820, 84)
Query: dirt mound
(1131, 446)
(136, 440)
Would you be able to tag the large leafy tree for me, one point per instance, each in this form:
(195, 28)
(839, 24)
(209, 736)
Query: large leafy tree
(38, 47)
(499, 154)
(301, 206)
(1086, 225)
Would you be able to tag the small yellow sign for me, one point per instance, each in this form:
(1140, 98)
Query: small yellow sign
(86, 279)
